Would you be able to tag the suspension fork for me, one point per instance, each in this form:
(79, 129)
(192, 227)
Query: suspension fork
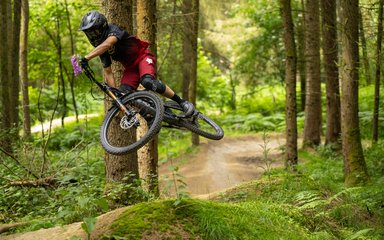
(107, 89)
(117, 100)
(119, 103)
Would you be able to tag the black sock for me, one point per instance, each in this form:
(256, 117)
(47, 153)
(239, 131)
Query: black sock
(177, 99)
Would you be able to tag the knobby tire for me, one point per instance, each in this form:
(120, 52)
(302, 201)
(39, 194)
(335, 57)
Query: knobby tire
(214, 131)
(156, 108)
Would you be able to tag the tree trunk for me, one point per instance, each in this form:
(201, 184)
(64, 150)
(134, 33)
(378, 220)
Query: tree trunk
(355, 170)
(61, 80)
(190, 34)
(148, 155)
(118, 167)
(290, 86)
(367, 66)
(312, 124)
(24, 67)
(71, 77)
(330, 52)
(301, 56)
(14, 63)
(187, 47)
(375, 120)
(5, 74)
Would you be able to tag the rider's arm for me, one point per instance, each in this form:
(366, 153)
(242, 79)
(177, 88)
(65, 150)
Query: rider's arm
(102, 48)
(108, 75)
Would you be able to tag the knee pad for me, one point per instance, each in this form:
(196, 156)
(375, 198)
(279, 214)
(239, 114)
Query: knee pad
(153, 84)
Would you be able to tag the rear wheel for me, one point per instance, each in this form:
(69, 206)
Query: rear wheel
(118, 131)
(198, 123)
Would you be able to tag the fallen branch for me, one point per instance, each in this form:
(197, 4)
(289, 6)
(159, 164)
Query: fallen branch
(42, 182)
(17, 161)
(7, 227)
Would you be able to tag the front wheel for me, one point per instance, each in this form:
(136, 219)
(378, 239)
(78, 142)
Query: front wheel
(123, 133)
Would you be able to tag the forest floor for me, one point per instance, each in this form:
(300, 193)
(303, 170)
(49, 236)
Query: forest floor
(214, 167)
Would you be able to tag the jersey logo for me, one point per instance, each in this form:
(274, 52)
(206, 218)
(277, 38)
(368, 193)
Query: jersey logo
(149, 61)
(111, 50)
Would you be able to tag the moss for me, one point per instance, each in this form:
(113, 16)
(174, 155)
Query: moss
(160, 218)
(200, 219)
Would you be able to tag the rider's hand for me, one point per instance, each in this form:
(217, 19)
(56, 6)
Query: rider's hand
(84, 62)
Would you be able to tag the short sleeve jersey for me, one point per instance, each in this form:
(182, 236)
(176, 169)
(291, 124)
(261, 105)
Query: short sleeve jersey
(128, 49)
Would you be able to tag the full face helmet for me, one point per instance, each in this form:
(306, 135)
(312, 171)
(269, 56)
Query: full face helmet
(94, 25)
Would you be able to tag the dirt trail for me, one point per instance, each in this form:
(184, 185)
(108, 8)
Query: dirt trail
(216, 166)
(222, 164)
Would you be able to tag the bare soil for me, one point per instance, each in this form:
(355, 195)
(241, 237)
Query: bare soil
(219, 165)
(216, 166)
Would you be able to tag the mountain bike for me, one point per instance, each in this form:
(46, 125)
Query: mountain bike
(144, 110)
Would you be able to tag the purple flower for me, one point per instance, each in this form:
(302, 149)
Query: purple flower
(75, 65)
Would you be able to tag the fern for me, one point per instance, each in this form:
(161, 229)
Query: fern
(360, 234)
(309, 200)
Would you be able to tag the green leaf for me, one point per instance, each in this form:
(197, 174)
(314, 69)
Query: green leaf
(103, 204)
(88, 224)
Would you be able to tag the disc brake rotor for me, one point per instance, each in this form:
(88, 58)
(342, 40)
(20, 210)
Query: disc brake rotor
(126, 123)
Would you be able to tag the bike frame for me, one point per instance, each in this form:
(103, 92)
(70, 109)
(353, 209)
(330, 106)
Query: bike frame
(170, 118)
(106, 89)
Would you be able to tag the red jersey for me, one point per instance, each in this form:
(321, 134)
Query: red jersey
(128, 50)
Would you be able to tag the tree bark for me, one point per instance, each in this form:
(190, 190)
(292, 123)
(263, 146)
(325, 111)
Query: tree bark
(14, 84)
(367, 66)
(355, 170)
(187, 47)
(375, 120)
(290, 86)
(148, 155)
(5, 73)
(301, 56)
(24, 67)
(190, 11)
(330, 52)
(71, 77)
(312, 124)
(117, 167)
(61, 80)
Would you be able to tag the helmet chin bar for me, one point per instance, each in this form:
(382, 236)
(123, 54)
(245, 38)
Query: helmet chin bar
(95, 36)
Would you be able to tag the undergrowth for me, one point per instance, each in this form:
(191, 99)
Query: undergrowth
(310, 204)
(317, 193)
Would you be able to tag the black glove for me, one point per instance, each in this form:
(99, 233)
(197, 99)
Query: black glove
(84, 62)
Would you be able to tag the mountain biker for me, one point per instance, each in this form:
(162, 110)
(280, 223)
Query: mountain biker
(112, 42)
